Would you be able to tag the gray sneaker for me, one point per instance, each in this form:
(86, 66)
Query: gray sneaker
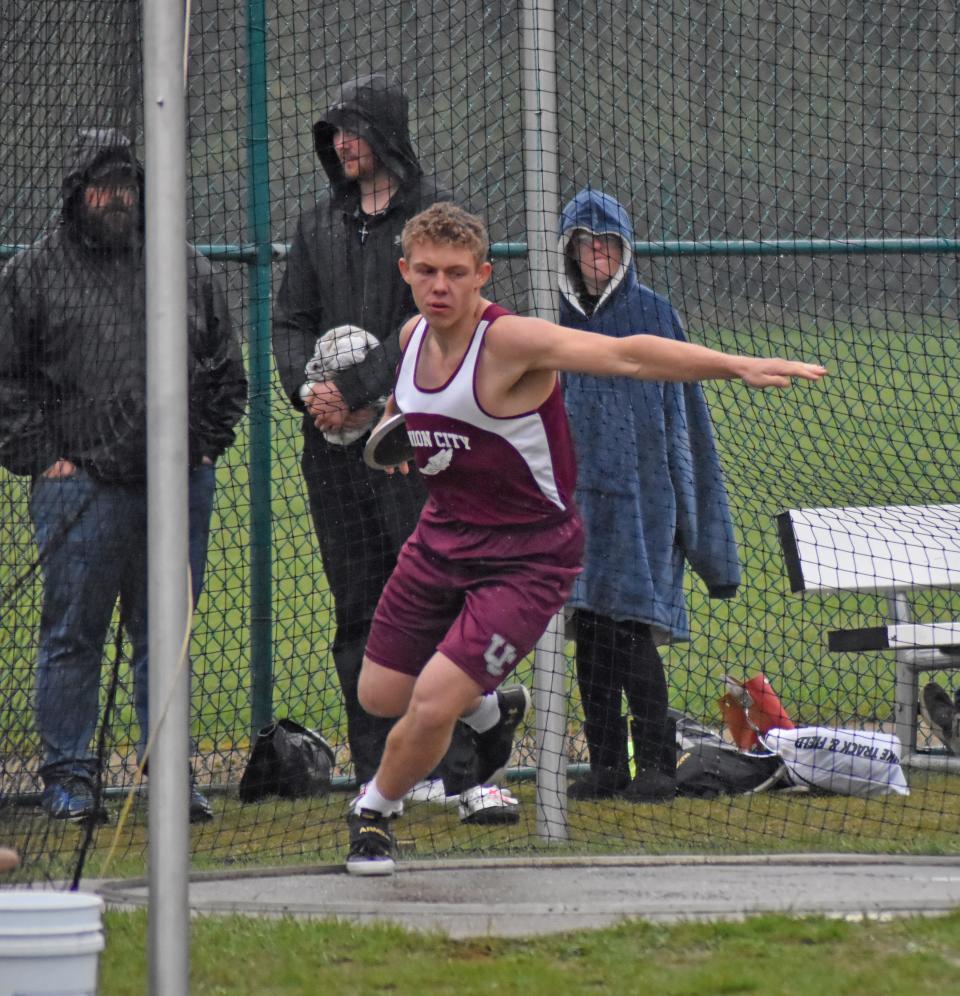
(200, 809)
(72, 798)
(940, 712)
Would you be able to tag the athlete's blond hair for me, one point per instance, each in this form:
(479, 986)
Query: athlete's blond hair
(446, 224)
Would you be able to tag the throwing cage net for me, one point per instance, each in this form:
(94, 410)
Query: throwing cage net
(789, 172)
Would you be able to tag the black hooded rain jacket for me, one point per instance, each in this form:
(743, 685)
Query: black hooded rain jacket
(335, 270)
(73, 344)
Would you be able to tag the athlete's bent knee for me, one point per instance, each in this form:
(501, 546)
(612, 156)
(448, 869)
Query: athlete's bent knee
(382, 692)
(431, 716)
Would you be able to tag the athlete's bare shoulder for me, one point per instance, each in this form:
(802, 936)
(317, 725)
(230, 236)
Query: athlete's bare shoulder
(512, 378)
(406, 330)
(520, 338)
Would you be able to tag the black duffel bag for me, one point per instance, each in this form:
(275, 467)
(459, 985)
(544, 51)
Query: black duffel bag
(287, 760)
(709, 770)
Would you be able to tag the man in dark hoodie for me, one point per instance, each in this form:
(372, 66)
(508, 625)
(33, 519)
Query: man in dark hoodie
(342, 272)
(73, 419)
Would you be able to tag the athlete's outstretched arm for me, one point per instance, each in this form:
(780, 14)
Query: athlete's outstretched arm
(541, 345)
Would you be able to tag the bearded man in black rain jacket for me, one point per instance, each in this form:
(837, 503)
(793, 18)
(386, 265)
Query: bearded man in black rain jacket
(73, 418)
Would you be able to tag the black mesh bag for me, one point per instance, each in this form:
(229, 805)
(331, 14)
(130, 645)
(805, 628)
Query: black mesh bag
(287, 760)
(709, 770)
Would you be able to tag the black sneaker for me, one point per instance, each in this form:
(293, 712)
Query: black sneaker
(598, 783)
(372, 844)
(198, 808)
(942, 715)
(496, 745)
(650, 785)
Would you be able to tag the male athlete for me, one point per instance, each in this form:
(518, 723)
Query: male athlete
(499, 541)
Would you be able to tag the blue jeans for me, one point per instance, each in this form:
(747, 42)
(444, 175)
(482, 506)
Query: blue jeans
(92, 539)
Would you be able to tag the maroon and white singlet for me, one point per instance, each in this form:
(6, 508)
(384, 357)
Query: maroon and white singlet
(499, 540)
(479, 468)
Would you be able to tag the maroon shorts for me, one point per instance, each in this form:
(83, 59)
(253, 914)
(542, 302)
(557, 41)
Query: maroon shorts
(485, 613)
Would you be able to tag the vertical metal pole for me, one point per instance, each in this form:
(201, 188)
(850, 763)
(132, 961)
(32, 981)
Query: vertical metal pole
(906, 687)
(550, 699)
(541, 172)
(167, 517)
(258, 219)
(541, 161)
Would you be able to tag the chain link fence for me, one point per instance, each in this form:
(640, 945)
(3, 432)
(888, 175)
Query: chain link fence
(791, 172)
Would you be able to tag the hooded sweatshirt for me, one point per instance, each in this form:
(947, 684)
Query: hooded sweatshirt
(342, 265)
(73, 343)
(649, 485)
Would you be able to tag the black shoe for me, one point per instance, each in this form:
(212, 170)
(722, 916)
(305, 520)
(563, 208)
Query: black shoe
(496, 745)
(71, 798)
(942, 715)
(650, 785)
(200, 809)
(598, 783)
(372, 844)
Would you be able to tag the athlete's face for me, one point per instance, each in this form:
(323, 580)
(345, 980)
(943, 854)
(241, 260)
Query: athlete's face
(446, 281)
(355, 154)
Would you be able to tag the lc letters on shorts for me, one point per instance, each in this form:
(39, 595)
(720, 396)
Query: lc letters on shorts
(337, 349)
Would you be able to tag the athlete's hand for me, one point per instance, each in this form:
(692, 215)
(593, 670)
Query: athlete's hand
(759, 372)
(403, 467)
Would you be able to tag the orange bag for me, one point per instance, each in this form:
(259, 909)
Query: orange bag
(752, 707)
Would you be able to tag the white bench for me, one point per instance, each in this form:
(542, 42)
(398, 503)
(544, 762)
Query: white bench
(890, 550)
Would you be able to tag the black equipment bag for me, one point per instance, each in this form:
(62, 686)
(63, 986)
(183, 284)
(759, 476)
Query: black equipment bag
(709, 770)
(287, 760)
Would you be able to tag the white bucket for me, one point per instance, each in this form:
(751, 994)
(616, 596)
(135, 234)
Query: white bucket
(50, 943)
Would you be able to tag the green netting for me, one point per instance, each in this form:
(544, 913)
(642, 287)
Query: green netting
(790, 170)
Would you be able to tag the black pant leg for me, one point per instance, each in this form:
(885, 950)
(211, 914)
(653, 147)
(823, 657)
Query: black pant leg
(357, 559)
(601, 692)
(645, 684)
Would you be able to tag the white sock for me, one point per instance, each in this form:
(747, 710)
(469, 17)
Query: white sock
(486, 715)
(372, 799)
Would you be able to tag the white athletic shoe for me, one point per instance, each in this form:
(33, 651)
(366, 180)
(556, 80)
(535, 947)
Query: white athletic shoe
(429, 790)
(488, 805)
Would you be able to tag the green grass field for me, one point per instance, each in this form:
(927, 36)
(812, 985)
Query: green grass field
(768, 955)
(312, 832)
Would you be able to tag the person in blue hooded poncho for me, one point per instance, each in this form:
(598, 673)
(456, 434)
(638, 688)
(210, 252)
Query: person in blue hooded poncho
(651, 492)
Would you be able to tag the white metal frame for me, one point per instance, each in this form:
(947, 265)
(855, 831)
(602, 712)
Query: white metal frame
(891, 550)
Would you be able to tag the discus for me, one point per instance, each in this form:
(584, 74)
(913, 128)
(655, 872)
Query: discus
(388, 445)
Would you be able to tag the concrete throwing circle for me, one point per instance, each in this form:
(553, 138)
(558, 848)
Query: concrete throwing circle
(525, 896)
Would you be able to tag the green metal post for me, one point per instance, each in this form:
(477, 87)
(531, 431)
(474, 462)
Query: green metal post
(258, 218)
